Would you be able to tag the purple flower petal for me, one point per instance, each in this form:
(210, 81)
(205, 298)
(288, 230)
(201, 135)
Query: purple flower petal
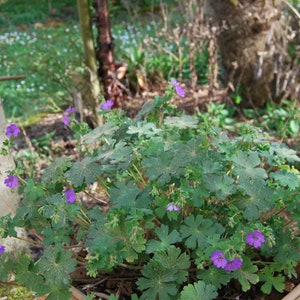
(255, 239)
(70, 196)
(12, 130)
(66, 120)
(11, 181)
(179, 90)
(172, 207)
(218, 259)
(70, 110)
(107, 105)
(233, 265)
(2, 249)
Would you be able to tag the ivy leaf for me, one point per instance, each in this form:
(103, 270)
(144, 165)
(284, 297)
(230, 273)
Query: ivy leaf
(196, 231)
(271, 281)
(86, 171)
(200, 291)
(166, 239)
(56, 264)
(182, 122)
(56, 170)
(158, 282)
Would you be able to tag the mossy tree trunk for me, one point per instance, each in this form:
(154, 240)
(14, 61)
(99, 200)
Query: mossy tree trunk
(90, 59)
(253, 47)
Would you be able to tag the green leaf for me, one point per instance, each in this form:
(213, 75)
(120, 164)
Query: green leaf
(56, 170)
(134, 242)
(57, 293)
(286, 247)
(146, 109)
(33, 190)
(27, 273)
(285, 178)
(196, 231)
(221, 185)
(278, 282)
(247, 274)
(182, 122)
(257, 199)
(166, 239)
(285, 153)
(158, 282)
(174, 259)
(56, 264)
(144, 129)
(163, 167)
(85, 171)
(164, 274)
(214, 276)
(200, 291)
(96, 135)
(123, 194)
(246, 166)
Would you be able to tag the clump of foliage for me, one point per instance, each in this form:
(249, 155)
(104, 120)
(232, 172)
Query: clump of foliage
(15, 293)
(17, 12)
(190, 209)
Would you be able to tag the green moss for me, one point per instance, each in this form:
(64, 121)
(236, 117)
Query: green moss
(15, 293)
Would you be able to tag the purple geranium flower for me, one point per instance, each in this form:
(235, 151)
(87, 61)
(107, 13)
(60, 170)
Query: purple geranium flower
(70, 196)
(179, 90)
(107, 105)
(171, 207)
(11, 181)
(66, 120)
(2, 249)
(12, 130)
(70, 110)
(218, 259)
(233, 265)
(255, 238)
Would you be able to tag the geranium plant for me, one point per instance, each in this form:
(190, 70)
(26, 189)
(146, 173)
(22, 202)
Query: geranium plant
(187, 207)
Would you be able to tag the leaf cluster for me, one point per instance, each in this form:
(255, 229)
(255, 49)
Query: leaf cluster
(224, 188)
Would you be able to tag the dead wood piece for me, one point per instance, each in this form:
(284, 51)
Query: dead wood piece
(15, 77)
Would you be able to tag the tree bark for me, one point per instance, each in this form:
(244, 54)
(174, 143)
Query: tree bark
(253, 43)
(90, 59)
(105, 51)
